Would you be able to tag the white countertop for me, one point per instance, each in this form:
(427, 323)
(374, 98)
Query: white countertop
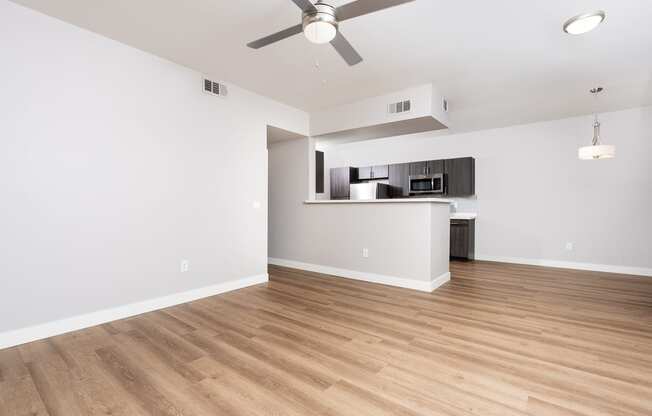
(378, 201)
(463, 215)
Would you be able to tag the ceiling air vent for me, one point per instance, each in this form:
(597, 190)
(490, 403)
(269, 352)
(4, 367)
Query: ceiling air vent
(399, 107)
(215, 88)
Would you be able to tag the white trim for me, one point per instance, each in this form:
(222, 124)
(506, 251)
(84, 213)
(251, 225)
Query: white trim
(422, 286)
(50, 329)
(438, 281)
(639, 271)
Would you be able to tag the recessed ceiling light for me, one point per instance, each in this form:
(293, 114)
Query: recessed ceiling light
(584, 22)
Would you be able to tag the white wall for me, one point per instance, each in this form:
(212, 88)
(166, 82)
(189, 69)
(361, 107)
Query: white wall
(114, 166)
(534, 195)
(288, 175)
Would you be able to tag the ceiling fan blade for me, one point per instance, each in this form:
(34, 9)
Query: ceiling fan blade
(305, 5)
(290, 31)
(362, 7)
(346, 51)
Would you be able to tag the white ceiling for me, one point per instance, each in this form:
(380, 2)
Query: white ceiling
(499, 62)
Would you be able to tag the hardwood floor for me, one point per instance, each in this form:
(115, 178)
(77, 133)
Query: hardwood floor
(497, 340)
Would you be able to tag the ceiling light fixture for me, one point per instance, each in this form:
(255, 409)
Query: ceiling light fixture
(584, 23)
(320, 24)
(596, 150)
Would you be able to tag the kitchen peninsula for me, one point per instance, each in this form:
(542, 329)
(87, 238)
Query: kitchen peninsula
(398, 242)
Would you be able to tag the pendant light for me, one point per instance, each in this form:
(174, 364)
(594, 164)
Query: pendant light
(596, 150)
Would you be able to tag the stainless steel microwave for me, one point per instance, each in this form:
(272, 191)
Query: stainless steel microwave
(427, 184)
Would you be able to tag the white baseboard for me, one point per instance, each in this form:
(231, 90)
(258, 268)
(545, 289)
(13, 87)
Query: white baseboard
(50, 329)
(638, 271)
(422, 286)
(438, 281)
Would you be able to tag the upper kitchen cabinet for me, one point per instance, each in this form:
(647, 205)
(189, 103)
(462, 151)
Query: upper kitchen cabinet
(435, 166)
(429, 167)
(364, 173)
(418, 168)
(341, 179)
(399, 180)
(373, 172)
(380, 172)
(460, 176)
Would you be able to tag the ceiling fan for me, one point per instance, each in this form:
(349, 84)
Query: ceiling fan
(320, 23)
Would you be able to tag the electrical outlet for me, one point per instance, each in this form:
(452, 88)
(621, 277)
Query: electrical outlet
(569, 246)
(256, 204)
(365, 253)
(184, 266)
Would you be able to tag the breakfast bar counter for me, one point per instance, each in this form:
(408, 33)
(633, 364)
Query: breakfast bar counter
(398, 242)
(379, 201)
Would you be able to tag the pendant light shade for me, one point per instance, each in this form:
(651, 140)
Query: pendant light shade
(596, 150)
(601, 151)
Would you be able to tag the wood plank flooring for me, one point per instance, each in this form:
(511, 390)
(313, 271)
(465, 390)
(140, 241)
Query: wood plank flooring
(497, 340)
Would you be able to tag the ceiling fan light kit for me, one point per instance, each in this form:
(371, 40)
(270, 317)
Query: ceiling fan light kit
(320, 24)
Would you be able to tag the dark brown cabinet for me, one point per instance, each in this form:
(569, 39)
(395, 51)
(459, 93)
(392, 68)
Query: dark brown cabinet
(434, 166)
(462, 244)
(341, 178)
(399, 180)
(460, 176)
(428, 167)
(373, 172)
(319, 172)
(418, 168)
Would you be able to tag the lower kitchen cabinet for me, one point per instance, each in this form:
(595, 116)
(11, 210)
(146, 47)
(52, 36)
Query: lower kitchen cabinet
(462, 243)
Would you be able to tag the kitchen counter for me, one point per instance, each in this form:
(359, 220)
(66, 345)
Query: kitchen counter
(398, 242)
(378, 201)
(463, 215)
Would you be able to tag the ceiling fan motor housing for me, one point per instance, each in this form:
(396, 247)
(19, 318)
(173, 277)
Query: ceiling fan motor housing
(324, 13)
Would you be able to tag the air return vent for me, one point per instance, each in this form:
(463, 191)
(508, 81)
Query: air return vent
(399, 107)
(215, 88)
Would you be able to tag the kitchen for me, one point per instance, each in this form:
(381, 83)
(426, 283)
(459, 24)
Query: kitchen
(444, 178)
(502, 176)
(386, 223)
